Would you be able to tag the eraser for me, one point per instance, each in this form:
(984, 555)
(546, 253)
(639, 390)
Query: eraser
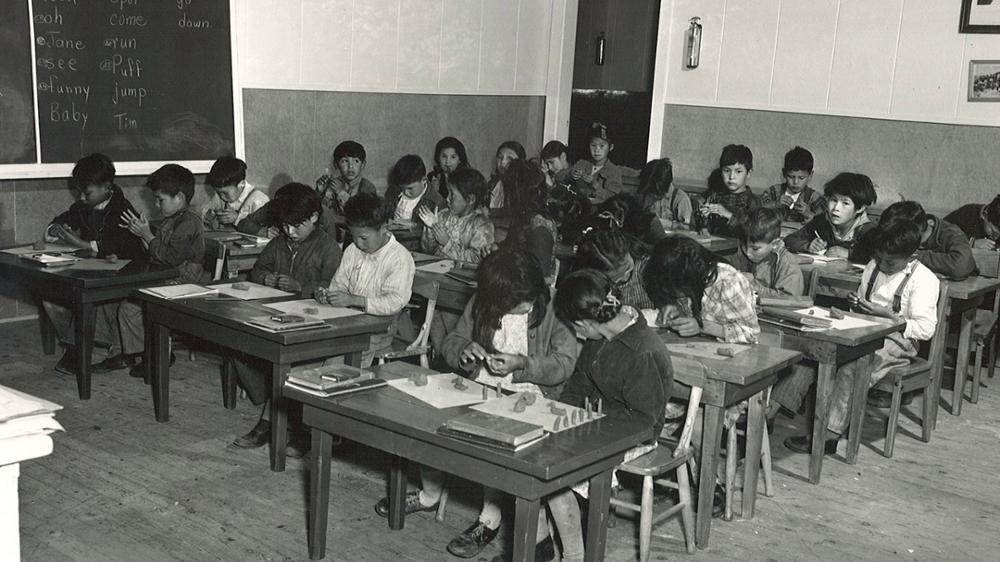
(112, 258)
(40, 245)
(725, 352)
(240, 287)
(836, 314)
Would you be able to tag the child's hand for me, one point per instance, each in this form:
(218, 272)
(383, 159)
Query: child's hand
(428, 216)
(716, 209)
(667, 315)
(503, 363)
(335, 298)
(321, 295)
(576, 174)
(786, 200)
(226, 216)
(685, 326)
(852, 299)
(817, 246)
(984, 244)
(800, 207)
(286, 283)
(270, 279)
(472, 353)
(440, 234)
(837, 252)
(137, 225)
(868, 307)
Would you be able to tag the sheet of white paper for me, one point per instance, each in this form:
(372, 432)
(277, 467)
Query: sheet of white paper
(440, 391)
(707, 350)
(692, 234)
(322, 311)
(182, 291)
(256, 291)
(846, 323)
(29, 425)
(29, 249)
(817, 258)
(442, 267)
(16, 404)
(98, 264)
(540, 413)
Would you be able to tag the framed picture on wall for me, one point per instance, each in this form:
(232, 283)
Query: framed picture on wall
(980, 16)
(984, 80)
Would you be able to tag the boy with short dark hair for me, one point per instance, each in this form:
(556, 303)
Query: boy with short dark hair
(179, 242)
(980, 223)
(763, 259)
(343, 179)
(894, 285)
(836, 232)
(408, 191)
(234, 198)
(598, 177)
(729, 200)
(555, 163)
(793, 198)
(944, 248)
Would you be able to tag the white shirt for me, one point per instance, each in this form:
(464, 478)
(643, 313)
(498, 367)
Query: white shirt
(406, 206)
(918, 303)
(384, 278)
(794, 197)
(249, 201)
(512, 337)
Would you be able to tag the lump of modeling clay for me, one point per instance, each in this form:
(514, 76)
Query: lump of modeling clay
(529, 398)
(725, 352)
(556, 410)
(40, 245)
(520, 406)
(241, 287)
(836, 314)
(459, 383)
(112, 258)
(311, 310)
(418, 379)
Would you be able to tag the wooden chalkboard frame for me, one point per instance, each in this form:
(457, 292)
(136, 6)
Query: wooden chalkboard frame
(127, 168)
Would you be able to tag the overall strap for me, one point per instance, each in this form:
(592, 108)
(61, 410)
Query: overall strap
(871, 284)
(897, 299)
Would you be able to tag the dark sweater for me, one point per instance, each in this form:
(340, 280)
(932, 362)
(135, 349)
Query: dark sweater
(947, 251)
(739, 204)
(102, 226)
(312, 263)
(859, 250)
(631, 373)
(430, 200)
(180, 243)
(968, 219)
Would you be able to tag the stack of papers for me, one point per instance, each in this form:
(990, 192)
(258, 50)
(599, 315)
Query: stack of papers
(182, 291)
(25, 425)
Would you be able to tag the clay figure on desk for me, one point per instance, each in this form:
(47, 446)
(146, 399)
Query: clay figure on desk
(836, 313)
(310, 310)
(418, 379)
(459, 383)
(725, 352)
(240, 287)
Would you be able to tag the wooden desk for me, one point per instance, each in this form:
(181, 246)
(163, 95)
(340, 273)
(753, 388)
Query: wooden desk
(224, 322)
(727, 382)
(394, 422)
(80, 291)
(453, 294)
(721, 246)
(238, 259)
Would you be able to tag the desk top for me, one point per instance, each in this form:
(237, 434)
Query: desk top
(965, 289)
(137, 272)
(745, 369)
(233, 314)
(557, 454)
(851, 337)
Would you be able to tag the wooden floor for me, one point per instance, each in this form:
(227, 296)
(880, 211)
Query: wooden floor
(121, 486)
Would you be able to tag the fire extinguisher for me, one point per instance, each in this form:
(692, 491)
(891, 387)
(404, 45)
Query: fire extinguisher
(694, 43)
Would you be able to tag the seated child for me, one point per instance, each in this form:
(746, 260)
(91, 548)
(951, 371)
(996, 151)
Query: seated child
(894, 285)
(793, 199)
(944, 248)
(449, 155)
(612, 253)
(506, 153)
(835, 232)
(622, 363)
(729, 200)
(179, 242)
(343, 179)
(599, 178)
(534, 223)
(463, 231)
(408, 192)
(509, 337)
(762, 257)
(302, 259)
(91, 223)
(555, 164)
(697, 292)
(659, 195)
(376, 272)
(624, 211)
(234, 198)
(981, 223)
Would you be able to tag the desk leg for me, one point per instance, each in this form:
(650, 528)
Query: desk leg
(821, 411)
(597, 516)
(319, 492)
(526, 528)
(397, 493)
(709, 464)
(159, 371)
(859, 403)
(84, 337)
(962, 361)
(48, 331)
(279, 416)
(751, 462)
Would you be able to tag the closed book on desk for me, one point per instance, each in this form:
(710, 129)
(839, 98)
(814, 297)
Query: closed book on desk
(495, 428)
(280, 323)
(790, 317)
(328, 377)
(50, 259)
(350, 388)
(487, 442)
(467, 276)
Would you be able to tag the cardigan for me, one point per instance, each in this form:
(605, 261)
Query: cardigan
(312, 263)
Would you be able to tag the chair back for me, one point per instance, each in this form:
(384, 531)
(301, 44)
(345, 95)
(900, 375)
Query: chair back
(939, 340)
(215, 258)
(427, 289)
(695, 376)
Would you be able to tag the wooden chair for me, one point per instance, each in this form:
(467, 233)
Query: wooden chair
(732, 458)
(667, 457)
(984, 330)
(214, 263)
(919, 374)
(427, 289)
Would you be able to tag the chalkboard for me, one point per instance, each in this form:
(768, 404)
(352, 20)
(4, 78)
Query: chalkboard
(17, 104)
(139, 80)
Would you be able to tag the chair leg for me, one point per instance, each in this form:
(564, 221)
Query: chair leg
(442, 502)
(765, 463)
(977, 373)
(687, 509)
(228, 384)
(645, 518)
(693, 465)
(927, 421)
(992, 355)
(731, 457)
(890, 430)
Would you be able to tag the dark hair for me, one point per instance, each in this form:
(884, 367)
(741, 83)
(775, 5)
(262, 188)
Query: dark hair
(406, 170)
(857, 187)
(656, 178)
(226, 171)
(517, 147)
(761, 225)
(454, 144)
(904, 210)
(365, 210)
(506, 279)
(624, 209)
(680, 267)
(602, 249)
(172, 179)
(583, 295)
(599, 130)
(897, 238)
(733, 154)
(293, 204)
(470, 183)
(554, 149)
(96, 169)
(798, 158)
(991, 211)
(349, 149)
(524, 190)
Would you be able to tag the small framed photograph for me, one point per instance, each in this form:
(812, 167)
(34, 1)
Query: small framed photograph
(984, 80)
(980, 16)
